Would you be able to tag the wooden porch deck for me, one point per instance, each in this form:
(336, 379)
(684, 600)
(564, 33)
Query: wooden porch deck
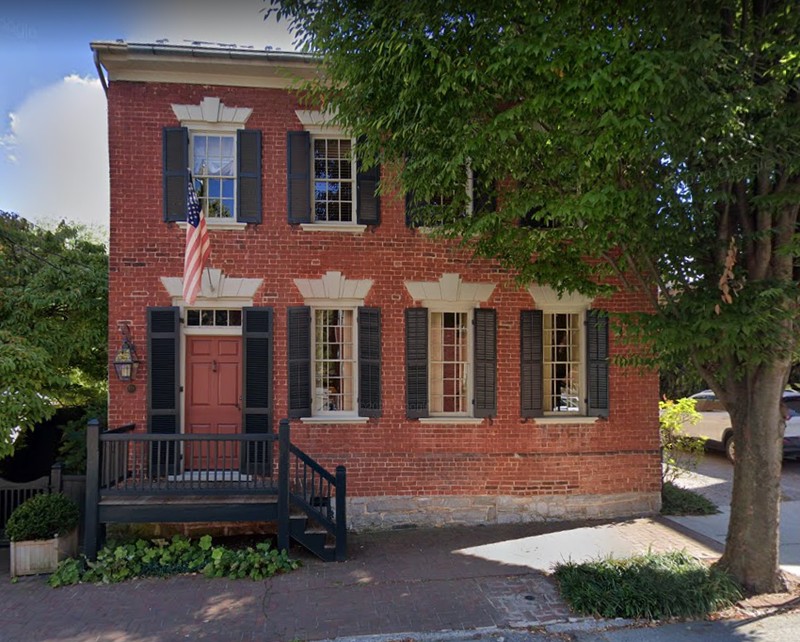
(140, 477)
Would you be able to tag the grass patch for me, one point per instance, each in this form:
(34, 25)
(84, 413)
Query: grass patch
(652, 586)
(680, 501)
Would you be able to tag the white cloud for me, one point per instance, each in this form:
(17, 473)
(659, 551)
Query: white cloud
(56, 154)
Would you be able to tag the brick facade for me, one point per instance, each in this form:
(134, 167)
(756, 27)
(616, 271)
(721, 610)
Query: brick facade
(540, 469)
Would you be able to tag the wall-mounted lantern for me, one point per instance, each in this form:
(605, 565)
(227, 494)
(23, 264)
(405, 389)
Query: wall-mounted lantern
(126, 362)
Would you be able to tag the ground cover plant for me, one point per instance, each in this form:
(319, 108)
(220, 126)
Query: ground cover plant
(161, 558)
(682, 501)
(651, 586)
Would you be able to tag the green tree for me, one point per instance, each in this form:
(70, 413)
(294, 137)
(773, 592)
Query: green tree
(53, 312)
(645, 145)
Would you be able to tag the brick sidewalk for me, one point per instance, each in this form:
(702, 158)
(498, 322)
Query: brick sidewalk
(398, 581)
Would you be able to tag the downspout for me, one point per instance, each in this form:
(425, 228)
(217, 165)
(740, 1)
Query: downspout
(100, 73)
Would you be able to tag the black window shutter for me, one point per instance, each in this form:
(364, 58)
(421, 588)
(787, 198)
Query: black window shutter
(484, 198)
(299, 338)
(485, 402)
(368, 206)
(416, 363)
(411, 206)
(163, 383)
(175, 158)
(248, 175)
(597, 362)
(531, 378)
(257, 386)
(369, 362)
(298, 176)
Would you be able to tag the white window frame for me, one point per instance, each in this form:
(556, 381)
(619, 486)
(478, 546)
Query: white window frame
(352, 180)
(582, 370)
(470, 360)
(222, 133)
(331, 414)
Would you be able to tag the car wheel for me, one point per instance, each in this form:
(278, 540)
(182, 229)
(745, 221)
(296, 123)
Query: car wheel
(730, 449)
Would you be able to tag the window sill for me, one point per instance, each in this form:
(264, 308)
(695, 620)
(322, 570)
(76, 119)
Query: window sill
(451, 420)
(232, 225)
(566, 420)
(334, 420)
(346, 228)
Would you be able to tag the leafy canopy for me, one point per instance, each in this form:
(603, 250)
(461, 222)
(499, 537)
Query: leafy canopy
(653, 146)
(53, 316)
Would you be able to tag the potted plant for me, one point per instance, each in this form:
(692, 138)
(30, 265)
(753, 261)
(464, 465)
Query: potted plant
(43, 531)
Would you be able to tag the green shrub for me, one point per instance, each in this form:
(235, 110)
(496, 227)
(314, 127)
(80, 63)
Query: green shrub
(681, 501)
(652, 586)
(161, 558)
(41, 517)
(679, 450)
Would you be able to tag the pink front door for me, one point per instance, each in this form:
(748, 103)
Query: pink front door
(213, 400)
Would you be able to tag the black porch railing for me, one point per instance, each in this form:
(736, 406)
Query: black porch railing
(145, 477)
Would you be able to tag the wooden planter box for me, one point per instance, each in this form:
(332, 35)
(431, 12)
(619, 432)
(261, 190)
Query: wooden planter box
(42, 555)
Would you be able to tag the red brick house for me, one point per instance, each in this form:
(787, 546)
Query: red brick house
(450, 394)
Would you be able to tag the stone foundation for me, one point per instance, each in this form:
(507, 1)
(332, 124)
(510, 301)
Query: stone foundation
(405, 511)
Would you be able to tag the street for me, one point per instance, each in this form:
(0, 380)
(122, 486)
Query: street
(714, 475)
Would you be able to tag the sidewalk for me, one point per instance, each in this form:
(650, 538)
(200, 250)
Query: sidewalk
(455, 579)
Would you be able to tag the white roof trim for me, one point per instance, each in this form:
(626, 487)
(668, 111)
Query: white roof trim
(449, 289)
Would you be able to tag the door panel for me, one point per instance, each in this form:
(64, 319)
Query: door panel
(213, 402)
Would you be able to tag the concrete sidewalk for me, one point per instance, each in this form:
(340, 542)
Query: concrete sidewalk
(434, 580)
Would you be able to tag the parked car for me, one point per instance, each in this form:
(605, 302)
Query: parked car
(715, 424)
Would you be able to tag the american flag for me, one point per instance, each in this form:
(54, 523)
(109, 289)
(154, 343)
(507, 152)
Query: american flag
(198, 247)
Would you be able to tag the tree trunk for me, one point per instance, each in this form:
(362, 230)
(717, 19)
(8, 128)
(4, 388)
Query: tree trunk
(751, 550)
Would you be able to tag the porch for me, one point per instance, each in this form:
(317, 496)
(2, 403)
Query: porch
(145, 477)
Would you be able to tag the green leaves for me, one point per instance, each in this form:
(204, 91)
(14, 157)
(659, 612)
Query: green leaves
(161, 558)
(53, 318)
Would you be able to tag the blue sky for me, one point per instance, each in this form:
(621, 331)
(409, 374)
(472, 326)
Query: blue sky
(53, 153)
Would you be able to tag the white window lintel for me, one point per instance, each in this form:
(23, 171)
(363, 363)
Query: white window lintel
(450, 292)
(212, 111)
(334, 288)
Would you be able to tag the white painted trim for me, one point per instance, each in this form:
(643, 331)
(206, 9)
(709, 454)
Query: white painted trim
(212, 110)
(320, 123)
(548, 299)
(449, 289)
(343, 228)
(213, 225)
(332, 420)
(565, 421)
(227, 292)
(467, 421)
(333, 289)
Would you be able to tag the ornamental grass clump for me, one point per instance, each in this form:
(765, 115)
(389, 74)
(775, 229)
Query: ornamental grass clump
(42, 516)
(651, 586)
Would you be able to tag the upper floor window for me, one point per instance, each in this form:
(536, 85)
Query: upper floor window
(333, 180)
(327, 188)
(214, 172)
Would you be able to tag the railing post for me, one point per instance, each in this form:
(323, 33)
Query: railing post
(283, 485)
(91, 531)
(56, 478)
(341, 513)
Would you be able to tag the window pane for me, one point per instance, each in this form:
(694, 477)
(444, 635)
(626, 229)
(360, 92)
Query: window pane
(333, 179)
(221, 317)
(562, 362)
(334, 363)
(448, 362)
(193, 317)
(207, 317)
(235, 317)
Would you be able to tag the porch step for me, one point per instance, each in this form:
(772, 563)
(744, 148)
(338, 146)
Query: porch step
(314, 538)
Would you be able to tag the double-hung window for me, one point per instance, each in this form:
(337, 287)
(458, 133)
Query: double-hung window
(564, 363)
(451, 363)
(225, 166)
(327, 188)
(334, 178)
(335, 364)
(214, 173)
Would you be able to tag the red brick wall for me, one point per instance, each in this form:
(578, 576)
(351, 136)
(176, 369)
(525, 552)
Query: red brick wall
(390, 455)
